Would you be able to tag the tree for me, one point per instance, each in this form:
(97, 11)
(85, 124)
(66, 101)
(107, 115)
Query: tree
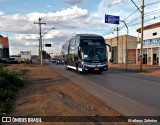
(45, 55)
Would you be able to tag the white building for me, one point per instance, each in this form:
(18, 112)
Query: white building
(151, 44)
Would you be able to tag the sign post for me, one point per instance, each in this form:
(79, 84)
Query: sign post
(111, 19)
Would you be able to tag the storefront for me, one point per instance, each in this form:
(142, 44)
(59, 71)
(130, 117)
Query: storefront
(151, 45)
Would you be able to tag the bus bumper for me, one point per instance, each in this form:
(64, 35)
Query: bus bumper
(92, 69)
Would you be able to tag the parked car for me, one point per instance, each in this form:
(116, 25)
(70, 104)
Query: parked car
(59, 61)
(53, 60)
(12, 60)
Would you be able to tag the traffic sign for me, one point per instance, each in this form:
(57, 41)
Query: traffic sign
(47, 45)
(111, 19)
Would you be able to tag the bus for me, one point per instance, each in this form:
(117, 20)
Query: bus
(86, 53)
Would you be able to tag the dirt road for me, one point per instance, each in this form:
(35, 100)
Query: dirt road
(49, 94)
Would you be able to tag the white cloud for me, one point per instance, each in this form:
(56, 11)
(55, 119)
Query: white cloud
(107, 4)
(26, 32)
(49, 6)
(1, 13)
(73, 2)
(115, 3)
(25, 23)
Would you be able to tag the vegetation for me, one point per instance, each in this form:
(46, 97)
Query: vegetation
(10, 81)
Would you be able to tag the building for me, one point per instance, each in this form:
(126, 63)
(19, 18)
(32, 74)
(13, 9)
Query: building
(1, 47)
(118, 53)
(151, 44)
(4, 47)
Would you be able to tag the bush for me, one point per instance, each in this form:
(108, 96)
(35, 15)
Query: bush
(9, 84)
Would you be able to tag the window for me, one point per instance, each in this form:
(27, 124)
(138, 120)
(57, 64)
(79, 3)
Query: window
(154, 34)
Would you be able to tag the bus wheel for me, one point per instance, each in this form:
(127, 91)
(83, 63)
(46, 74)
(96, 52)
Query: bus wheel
(66, 67)
(79, 72)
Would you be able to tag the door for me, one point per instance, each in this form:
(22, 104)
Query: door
(144, 58)
(154, 59)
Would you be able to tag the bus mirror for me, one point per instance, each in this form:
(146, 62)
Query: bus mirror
(109, 47)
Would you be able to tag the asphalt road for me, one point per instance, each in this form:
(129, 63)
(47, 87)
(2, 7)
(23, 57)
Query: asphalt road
(130, 94)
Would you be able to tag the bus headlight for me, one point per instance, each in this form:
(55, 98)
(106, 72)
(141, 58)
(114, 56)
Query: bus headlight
(84, 64)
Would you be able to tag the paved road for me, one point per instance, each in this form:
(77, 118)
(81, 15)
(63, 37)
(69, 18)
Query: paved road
(128, 93)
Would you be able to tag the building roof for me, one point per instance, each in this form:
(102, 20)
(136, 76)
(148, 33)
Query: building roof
(121, 36)
(151, 26)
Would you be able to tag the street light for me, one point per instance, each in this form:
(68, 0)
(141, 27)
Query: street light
(48, 30)
(44, 35)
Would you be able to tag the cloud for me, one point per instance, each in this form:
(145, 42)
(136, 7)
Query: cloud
(106, 4)
(49, 6)
(73, 2)
(115, 3)
(1, 13)
(67, 22)
(25, 23)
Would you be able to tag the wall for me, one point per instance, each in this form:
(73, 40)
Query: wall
(1, 47)
(148, 33)
(4, 46)
(132, 44)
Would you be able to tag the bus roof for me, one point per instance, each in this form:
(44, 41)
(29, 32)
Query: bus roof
(84, 36)
(90, 35)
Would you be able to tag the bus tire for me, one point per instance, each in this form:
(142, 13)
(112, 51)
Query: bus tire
(79, 72)
(66, 67)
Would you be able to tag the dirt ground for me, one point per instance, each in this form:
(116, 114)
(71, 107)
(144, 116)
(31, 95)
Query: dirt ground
(47, 93)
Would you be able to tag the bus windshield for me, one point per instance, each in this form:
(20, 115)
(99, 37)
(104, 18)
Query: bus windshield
(93, 50)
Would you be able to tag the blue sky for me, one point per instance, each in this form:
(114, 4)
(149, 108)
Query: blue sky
(68, 17)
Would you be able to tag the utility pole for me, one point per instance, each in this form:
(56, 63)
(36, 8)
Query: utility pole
(126, 43)
(40, 39)
(142, 25)
(117, 43)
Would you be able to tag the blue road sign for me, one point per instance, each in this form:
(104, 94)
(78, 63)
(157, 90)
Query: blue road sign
(111, 19)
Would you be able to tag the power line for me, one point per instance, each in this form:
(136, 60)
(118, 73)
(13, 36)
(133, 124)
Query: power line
(117, 25)
(135, 19)
(152, 3)
(131, 14)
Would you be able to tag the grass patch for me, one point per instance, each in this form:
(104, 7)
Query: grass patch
(10, 81)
